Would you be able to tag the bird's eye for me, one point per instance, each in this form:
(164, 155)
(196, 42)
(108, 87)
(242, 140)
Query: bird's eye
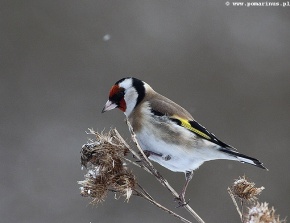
(118, 96)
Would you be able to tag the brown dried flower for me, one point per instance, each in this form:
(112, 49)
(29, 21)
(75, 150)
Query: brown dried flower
(123, 183)
(260, 213)
(106, 170)
(105, 152)
(96, 188)
(245, 190)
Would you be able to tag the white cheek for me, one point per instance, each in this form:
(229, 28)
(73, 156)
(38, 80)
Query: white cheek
(131, 100)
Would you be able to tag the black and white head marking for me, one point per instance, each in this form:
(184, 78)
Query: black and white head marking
(134, 92)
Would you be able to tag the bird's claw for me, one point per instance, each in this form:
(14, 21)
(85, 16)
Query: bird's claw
(138, 160)
(181, 201)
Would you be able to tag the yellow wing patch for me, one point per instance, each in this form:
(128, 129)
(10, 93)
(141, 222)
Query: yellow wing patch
(185, 123)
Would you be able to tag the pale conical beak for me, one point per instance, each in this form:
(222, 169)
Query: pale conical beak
(109, 106)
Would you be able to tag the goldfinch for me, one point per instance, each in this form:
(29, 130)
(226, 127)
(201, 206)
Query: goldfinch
(167, 133)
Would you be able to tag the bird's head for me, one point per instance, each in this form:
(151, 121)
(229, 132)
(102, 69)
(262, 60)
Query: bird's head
(125, 94)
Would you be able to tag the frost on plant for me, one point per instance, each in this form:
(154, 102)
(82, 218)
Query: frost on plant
(106, 171)
(261, 213)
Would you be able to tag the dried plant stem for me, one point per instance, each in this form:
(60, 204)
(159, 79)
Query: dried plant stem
(136, 164)
(152, 201)
(147, 194)
(242, 205)
(158, 176)
(235, 203)
(132, 151)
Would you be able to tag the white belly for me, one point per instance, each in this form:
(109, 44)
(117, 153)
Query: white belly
(174, 157)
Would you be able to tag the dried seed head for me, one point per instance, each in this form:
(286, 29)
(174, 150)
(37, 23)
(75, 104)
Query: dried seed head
(94, 187)
(260, 213)
(124, 183)
(106, 170)
(106, 152)
(245, 190)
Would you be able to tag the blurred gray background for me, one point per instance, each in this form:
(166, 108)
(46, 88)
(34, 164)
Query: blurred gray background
(229, 66)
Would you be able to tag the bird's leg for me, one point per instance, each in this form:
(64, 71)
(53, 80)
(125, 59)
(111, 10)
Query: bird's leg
(149, 153)
(181, 200)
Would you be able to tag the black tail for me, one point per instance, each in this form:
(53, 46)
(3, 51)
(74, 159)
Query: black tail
(243, 158)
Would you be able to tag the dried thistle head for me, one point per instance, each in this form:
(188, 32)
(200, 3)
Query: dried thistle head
(94, 187)
(245, 190)
(106, 152)
(260, 213)
(106, 171)
(124, 183)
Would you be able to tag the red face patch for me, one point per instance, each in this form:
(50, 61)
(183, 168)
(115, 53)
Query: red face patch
(114, 90)
(122, 105)
(116, 95)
